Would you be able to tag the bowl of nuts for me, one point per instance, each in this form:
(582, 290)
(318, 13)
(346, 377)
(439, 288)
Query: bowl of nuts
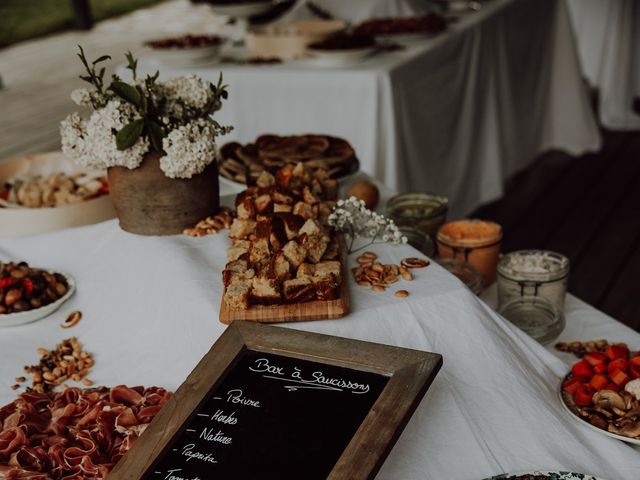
(47, 191)
(29, 294)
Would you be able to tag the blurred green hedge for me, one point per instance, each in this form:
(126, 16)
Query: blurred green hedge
(24, 19)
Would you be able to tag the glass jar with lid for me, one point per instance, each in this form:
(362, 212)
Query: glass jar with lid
(474, 241)
(533, 273)
(424, 211)
(536, 316)
(419, 240)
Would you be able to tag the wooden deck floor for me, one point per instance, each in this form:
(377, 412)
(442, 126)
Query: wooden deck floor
(587, 208)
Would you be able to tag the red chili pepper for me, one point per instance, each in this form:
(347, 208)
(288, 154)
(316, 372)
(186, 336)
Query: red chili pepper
(571, 385)
(600, 368)
(4, 193)
(620, 378)
(6, 282)
(27, 284)
(582, 371)
(599, 382)
(583, 395)
(615, 352)
(619, 364)
(105, 186)
(595, 358)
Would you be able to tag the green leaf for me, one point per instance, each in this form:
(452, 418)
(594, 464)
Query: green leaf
(129, 134)
(127, 92)
(101, 59)
(156, 134)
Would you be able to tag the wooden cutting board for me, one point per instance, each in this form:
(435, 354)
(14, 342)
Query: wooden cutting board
(294, 312)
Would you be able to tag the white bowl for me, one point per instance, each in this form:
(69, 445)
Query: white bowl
(289, 40)
(242, 10)
(28, 221)
(575, 417)
(407, 38)
(340, 58)
(186, 56)
(20, 318)
(561, 474)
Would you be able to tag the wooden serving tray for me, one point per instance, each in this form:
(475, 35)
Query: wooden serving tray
(295, 312)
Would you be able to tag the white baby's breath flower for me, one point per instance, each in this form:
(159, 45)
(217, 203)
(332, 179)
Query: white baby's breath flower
(353, 218)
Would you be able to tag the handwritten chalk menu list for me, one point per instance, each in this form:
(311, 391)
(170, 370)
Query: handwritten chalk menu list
(271, 417)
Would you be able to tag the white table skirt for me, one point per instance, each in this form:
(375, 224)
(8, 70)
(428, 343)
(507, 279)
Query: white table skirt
(608, 34)
(150, 308)
(455, 114)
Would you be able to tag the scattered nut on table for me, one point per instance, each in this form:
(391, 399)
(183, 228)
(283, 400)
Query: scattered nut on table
(211, 225)
(67, 361)
(378, 276)
(414, 262)
(72, 319)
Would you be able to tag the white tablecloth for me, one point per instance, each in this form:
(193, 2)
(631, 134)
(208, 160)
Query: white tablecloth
(608, 36)
(455, 114)
(150, 313)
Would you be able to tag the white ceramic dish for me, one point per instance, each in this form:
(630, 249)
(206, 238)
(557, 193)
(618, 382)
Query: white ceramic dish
(183, 57)
(20, 318)
(28, 221)
(242, 10)
(407, 38)
(289, 40)
(339, 58)
(559, 475)
(576, 418)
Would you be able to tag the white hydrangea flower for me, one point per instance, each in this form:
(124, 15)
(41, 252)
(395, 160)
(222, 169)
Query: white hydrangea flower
(189, 149)
(81, 97)
(73, 130)
(190, 93)
(92, 143)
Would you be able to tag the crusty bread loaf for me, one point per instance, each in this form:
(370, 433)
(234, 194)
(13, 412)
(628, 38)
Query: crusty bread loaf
(282, 250)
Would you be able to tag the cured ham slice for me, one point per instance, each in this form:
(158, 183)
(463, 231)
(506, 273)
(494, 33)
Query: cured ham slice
(75, 434)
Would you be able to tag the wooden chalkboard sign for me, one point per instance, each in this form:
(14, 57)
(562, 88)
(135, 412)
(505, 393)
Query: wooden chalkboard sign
(273, 403)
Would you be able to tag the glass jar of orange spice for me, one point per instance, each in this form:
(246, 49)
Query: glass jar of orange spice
(474, 241)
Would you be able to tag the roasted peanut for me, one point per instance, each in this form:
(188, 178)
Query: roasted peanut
(72, 319)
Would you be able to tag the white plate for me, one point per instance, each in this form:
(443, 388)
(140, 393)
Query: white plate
(561, 475)
(593, 427)
(339, 58)
(20, 318)
(242, 10)
(407, 38)
(183, 57)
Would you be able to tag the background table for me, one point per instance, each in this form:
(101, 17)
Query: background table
(150, 308)
(608, 35)
(455, 114)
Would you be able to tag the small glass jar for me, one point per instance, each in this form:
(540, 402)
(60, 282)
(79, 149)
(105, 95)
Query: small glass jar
(419, 240)
(535, 273)
(465, 272)
(474, 241)
(535, 316)
(424, 211)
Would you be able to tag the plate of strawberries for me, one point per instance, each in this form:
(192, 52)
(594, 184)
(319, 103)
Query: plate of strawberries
(603, 390)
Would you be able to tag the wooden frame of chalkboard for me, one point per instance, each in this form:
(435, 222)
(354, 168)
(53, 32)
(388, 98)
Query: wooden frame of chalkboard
(408, 374)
